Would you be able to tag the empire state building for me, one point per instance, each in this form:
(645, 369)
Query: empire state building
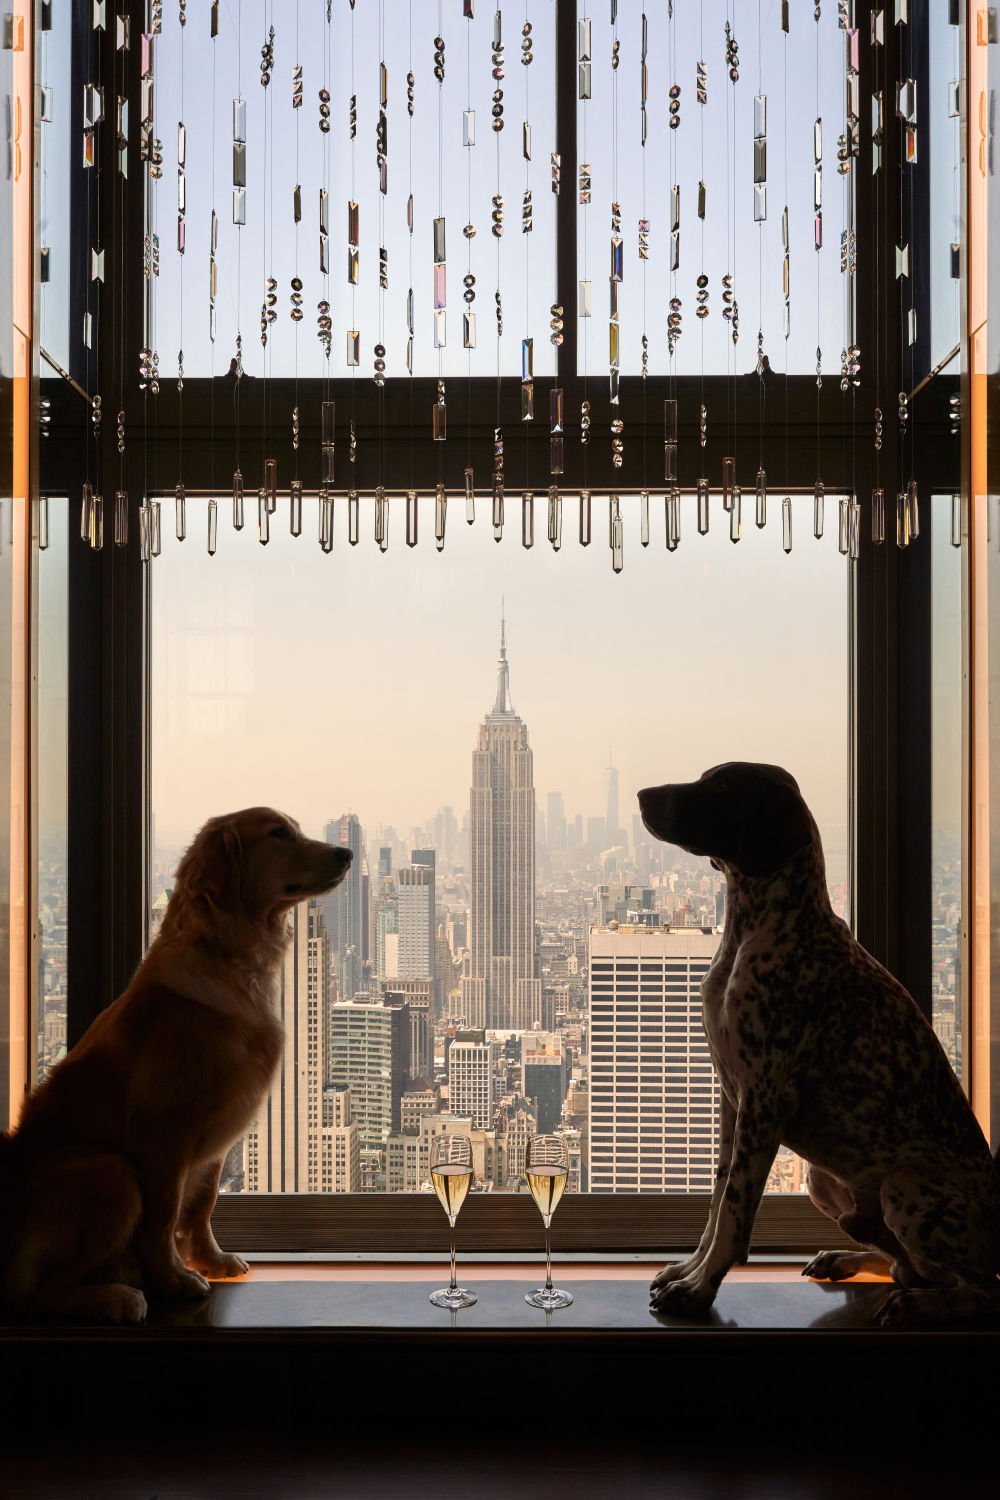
(502, 991)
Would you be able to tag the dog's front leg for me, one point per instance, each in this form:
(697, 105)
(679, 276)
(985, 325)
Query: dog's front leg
(756, 1137)
(680, 1269)
(164, 1272)
(195, 1238)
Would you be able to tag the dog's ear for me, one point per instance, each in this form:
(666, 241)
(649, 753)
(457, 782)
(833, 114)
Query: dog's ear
(215, 868)
(778, 825)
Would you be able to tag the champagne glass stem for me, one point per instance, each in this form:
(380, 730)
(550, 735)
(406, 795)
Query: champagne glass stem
(548, 1252)
(454, 1282)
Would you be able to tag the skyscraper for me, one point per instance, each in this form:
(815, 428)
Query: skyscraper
(556, 821)
(612, 832)
(654, 1096)
(502, 990)
(370, 1055)
(345, 909)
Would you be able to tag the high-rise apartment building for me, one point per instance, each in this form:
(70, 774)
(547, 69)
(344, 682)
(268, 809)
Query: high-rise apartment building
(472, 1087)
(304, 1139)
(418, 996)
(416, 921)
(345, 909)
(370, 1055)
(502, 990)
(654, 1096)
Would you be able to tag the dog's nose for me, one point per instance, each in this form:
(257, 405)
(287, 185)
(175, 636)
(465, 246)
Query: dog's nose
(346, 855)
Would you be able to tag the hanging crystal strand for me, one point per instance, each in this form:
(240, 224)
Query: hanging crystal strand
(86, 502)
(497, 483)
(956, 520)
(180, 512)
(237, 500)
(96, 533)
(440, 516)
(381, 518)
(673, 519)
(353, 518)
(527, 519)
(325, 520)
(263, 517)
(213, 526)
(786, 523)
(819, 507)
(584, 518)
(155, 536)
(854, 530)
(843, 526)
(878, 516)
(412, 517)
(735, 519)
(555, 517)
(670, 441)
(470, 497)
(702, 506)
(295, 507)
(43, 523)
(616, 536)
(912, 510)
(761, 516)
(327, 431)
(121, 518)
(902, 520)
(556, 431)
(644, 518)
(728, 478)
(144, 532)
(271, 484)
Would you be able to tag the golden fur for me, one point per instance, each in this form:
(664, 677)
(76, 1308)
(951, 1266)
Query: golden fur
(110, 1178)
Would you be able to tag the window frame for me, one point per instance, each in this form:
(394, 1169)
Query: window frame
(889, 639)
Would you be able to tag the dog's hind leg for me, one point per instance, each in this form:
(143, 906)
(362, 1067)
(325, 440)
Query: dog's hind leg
(195, 1238)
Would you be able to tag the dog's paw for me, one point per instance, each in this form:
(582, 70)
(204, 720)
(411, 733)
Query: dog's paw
(121, 1304)
(218, 1265)
(178, 1281)
(683, 1298)
(832, 1265)
(675, 1271)
(899, 1310)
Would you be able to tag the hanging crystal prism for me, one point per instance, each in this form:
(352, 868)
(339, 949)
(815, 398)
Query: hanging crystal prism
(956, 520)
(213, 525)
(786, 523)
(327, 434)
(411, 518)
(263, 517)
(617, 535)
(381, 518)
(673, 513)
(854, 530)
(121, 518)
(702, 506)
(439, 416)
(644, 518)
(440, 516)
(237, 500)
(585, 518)
(912, 511)
(470, 497)
(180, 512)
(735, 518)
(295, 507)
(556, 431)
(155, 537)
(144, 552)
(527, 519)
(497, 506)
(761, 514)
(819, 506)
(86, 503)
(96, 530)
(353, 518)
(843, 526)
(728, 478)
(271, 484)
(878, 516)
(325, 520)
(555, 518)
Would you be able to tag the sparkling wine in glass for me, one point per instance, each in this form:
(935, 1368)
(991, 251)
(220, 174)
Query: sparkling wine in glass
(451, 1175)
(547, 1167)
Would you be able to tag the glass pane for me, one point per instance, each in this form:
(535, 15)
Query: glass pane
(58, 166)
(944, 138)
(946, 782)
(714, 145)
(52, 770)
(285, 147)
(391, 739)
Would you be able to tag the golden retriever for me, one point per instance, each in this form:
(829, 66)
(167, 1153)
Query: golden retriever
(109, 1181)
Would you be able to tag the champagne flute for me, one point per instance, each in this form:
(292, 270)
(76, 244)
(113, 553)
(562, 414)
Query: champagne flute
(547, 1166)
(451, 1175)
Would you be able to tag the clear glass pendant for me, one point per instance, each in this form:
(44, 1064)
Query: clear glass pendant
(786, 523)
(735, 507)
(381, 519)
(670, 441)
(271, 484)
(295, 507)
(155, 535)
(263, 518)
(902, 520)
(644, 518)
(353, 518)
(121, 518)
(555, 518)
(237, 501)
(673, 519)
(819, 507)
(956, 520)
(412, 516)
(324, 518)
(760, 518)
(728, 477)
(86, 503)
(144, 533)
(878, 516)
(96, 533)
(497, 507)
(912, 510)
(180, 512)
(843, 526)
(213, 526)
(527, 519)
(470, 497)
(440, 516)
(854, 530)
(617, 536)
(702, 506)
(585, 518)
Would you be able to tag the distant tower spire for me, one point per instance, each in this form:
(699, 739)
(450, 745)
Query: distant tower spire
(503, 704)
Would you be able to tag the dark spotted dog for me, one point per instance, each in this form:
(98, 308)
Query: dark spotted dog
(819, 1049)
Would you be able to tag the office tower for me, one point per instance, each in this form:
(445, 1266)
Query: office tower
(444, 974)
(556, 821)
(370, 1055)
(408, 1155)
(345, 909)
(574, 832)
(545, 1076)
(471, 1088)
(502, 989)
(514, 1122)
(384, 864)
(303, 1140)
(418, 995)
(417, 926)
(596, 828)
(612, 831)
(654, 1098)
